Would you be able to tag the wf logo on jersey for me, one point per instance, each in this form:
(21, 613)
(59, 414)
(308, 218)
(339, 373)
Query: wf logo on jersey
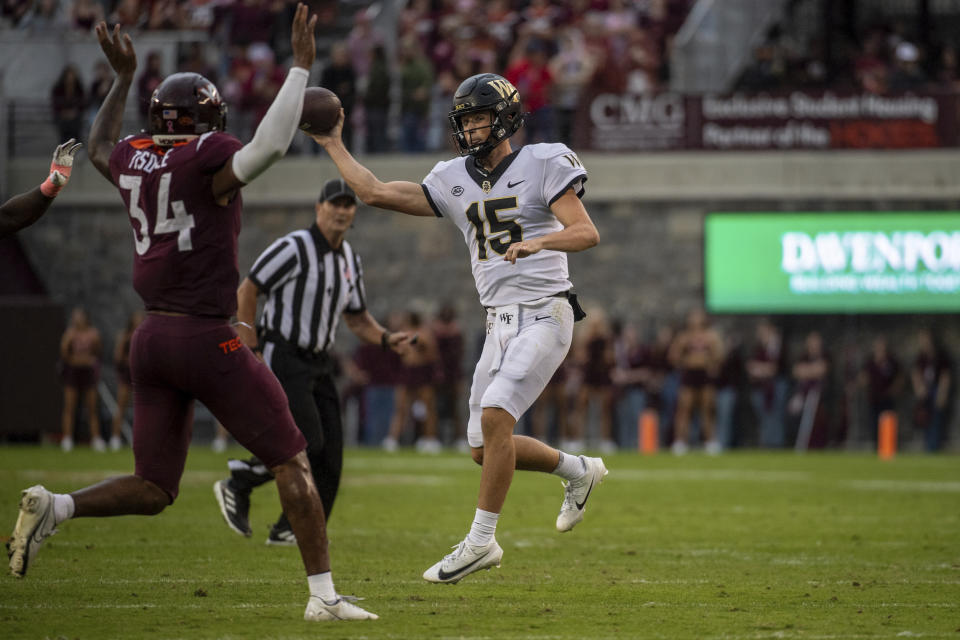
(506, 318)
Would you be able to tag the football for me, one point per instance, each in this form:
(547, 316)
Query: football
(321, 108)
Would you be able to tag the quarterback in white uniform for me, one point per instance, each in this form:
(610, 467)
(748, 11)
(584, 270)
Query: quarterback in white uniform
(520, 213)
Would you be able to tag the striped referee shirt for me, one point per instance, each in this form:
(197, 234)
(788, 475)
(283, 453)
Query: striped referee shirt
(308, 285)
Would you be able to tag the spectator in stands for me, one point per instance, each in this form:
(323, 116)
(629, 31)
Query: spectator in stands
(661, 389)
(84, 14)
(263, 83)
(415, 395)
(339, 77)
(870, 66)
(80, 349)
(416, 81)
(68, 100)
(809, 401)
(571, 67)
(728, 381)
(12, 12)
(630, 374)
(931, 378)
(47, 15)
(450, 346)
(148, 81)
(377, 371)
(121, 360)
(594, 355)
(501, 22)
(252, 21)
(530, 75)
(362, 43)
(948, 72)
(538, 20)
(766, 373)
(907, 74)
(100, 85)
(376, 102)
(697, 352)
(193, 59)
(166, 15)
(129, 14)
(882, 378)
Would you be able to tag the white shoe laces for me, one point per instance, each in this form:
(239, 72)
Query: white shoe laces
(457, 550)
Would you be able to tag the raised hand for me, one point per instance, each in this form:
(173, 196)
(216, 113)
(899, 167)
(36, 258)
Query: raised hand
(323, 139)
(302, 39)
(60, 168)
(119, 51)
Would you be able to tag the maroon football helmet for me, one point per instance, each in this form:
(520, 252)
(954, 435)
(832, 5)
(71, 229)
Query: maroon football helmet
(186, 104)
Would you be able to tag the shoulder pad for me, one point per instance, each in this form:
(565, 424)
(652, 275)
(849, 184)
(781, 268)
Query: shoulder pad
(444, 165)
(547, 150)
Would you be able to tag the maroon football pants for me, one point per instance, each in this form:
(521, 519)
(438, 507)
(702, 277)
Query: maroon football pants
(175, 360)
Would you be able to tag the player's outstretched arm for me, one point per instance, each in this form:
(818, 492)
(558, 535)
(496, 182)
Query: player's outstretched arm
(279, 125)
(401, 196)
(578, 233)
(365, 327)
(25, 209)
(106, 126)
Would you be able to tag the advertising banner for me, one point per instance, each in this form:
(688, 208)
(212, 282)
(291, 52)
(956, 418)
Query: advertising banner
(632, 122)
(802, 120)
(896, 262)
(799, 120)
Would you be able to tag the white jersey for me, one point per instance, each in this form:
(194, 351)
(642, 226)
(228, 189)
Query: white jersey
(511, 204)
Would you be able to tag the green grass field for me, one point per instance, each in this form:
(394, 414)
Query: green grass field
(747, 545)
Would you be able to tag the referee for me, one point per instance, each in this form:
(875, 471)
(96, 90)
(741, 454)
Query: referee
(310, 278)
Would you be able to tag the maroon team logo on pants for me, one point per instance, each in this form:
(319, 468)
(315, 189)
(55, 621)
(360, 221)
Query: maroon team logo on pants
(230, 345)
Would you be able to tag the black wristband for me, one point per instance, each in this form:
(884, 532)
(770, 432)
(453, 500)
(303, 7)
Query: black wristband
(385, 339)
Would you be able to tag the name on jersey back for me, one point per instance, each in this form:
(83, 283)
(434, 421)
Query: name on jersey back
(147, 161)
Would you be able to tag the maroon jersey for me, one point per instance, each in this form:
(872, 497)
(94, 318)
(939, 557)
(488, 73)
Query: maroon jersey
(186, 244)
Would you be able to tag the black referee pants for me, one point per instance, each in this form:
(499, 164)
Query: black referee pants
(315, 405)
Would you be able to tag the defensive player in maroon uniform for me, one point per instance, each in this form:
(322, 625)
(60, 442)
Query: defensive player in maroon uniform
(181, 188)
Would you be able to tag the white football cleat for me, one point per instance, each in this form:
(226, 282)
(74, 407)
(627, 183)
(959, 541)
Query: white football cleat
(464, 560)
(577, 491)
(34, 524)
(341, 609)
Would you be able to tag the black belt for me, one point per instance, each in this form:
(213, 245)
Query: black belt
(307, 354)
(578, 312)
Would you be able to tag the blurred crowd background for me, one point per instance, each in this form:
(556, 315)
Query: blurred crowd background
(395, 65)
(715, 383)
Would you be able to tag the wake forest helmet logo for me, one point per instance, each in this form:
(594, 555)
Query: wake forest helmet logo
(506, 90)
(486, 186)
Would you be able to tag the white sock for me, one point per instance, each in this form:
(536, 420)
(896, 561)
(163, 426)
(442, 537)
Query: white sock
(483, 528)
(63, 507)
(321, 586)
(570, 467)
